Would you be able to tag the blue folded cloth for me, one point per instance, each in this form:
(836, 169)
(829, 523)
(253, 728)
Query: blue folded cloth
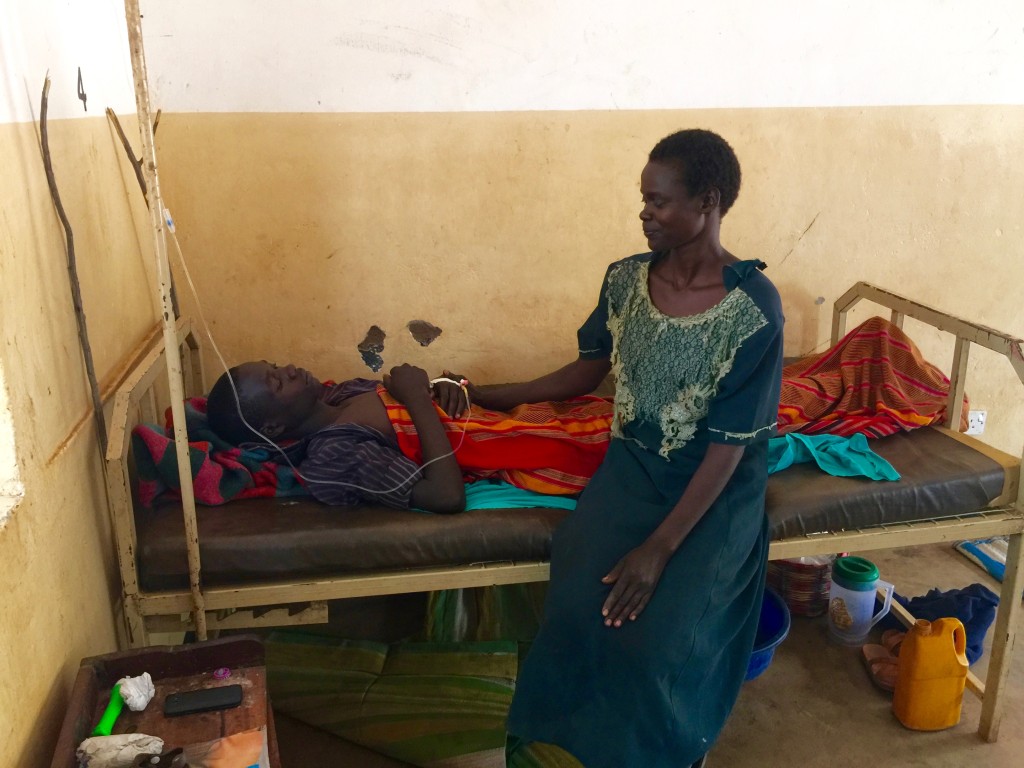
(835, 454)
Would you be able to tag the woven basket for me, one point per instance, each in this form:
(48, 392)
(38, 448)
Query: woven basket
(803, 583)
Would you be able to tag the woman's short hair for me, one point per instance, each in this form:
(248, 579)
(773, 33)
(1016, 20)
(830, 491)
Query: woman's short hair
(705, 159)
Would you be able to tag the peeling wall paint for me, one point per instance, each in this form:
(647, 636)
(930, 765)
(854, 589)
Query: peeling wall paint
(371, 346)
(424, 333)
(11, 488)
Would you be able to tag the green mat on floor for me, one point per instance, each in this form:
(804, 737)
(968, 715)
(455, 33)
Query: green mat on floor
(506, 612)
(430, 704)
(536, 755)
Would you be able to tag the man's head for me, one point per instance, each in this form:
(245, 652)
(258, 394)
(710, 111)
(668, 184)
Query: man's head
(704, 160)
(276, 401)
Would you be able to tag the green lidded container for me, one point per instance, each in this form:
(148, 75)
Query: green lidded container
(857, 574)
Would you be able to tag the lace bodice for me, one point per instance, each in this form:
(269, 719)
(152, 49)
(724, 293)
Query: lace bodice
(667, 369)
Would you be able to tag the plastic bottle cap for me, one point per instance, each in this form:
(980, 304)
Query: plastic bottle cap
(855, 573)
(222, 673)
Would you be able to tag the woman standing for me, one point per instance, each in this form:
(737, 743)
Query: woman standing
(657, 576)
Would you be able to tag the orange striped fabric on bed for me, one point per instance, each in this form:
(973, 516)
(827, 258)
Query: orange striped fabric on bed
(544, 447)
(874, 382)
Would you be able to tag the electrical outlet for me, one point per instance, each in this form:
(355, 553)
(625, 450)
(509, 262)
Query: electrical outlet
(976, 422)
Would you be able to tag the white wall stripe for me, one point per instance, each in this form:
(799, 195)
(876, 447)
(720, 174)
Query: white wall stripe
(493, 55)
(61, 36)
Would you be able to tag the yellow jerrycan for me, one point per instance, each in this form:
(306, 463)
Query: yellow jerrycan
(931, 676)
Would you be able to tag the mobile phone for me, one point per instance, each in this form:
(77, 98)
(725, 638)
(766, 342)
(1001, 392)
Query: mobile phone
(203, 700)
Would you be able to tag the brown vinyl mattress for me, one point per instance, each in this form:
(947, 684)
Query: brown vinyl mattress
(266, 540)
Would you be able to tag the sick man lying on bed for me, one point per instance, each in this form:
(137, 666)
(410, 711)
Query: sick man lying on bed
(392, 442)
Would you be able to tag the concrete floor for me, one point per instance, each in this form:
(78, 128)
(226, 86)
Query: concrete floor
(815, 705)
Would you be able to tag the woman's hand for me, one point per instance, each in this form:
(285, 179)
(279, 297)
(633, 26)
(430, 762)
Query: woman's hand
(407, 384)
(451, 398)
(635, 578)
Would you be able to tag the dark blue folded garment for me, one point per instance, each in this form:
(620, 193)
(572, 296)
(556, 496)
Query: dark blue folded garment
(975, 606)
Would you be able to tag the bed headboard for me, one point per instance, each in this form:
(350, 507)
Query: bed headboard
(142, 398)
(965, 331)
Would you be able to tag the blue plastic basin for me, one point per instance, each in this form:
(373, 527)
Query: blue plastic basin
(772, 628)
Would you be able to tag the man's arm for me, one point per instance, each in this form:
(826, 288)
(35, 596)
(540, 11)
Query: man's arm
(440, 488)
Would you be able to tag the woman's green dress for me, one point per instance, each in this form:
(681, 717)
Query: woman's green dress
(656, 692)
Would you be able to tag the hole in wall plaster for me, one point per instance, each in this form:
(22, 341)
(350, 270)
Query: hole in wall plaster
(11, 494)
(12, 491)
(371, 346)
(423, 332)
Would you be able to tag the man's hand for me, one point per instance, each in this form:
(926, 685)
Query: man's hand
(450, 397)
(635, 578)
(440, 487)
(407, 384)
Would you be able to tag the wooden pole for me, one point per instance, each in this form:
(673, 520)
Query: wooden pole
(76, 287)
(136, 163)
(163, 289)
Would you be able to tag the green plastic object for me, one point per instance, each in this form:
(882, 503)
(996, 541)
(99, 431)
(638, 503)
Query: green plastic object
(110, 714)
(855, 573)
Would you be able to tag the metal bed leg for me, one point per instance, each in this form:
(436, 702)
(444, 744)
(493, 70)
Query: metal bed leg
(1002, 642)
(134, 623)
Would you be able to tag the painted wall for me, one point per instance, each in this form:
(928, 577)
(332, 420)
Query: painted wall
(476, 164)
(493, 55)
(57, 572)
(323, 225)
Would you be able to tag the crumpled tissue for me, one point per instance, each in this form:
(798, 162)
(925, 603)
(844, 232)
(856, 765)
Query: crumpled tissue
(117, 751)
(137, 692)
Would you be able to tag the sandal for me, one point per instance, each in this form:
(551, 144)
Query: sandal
(892, 639)
(881, 665)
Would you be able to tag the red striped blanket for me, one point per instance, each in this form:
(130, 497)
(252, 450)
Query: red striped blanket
(874, 382)
(551, 448)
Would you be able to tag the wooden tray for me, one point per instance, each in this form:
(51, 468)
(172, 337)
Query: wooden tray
(173, 669)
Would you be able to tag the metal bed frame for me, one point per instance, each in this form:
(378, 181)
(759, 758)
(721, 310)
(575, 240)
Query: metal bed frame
(304, 601)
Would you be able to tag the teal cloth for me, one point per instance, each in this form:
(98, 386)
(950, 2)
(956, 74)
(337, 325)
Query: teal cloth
(497, 494)
(509, 611)
(486, 494)
(838, 455)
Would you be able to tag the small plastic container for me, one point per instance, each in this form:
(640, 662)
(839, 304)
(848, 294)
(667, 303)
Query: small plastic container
(772, 629)
(851, 600)
(932, 675)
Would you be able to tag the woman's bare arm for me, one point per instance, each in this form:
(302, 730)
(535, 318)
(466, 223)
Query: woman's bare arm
(579, 377)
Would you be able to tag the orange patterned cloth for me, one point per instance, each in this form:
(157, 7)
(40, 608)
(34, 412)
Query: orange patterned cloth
(544, 447)
(874, 382)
